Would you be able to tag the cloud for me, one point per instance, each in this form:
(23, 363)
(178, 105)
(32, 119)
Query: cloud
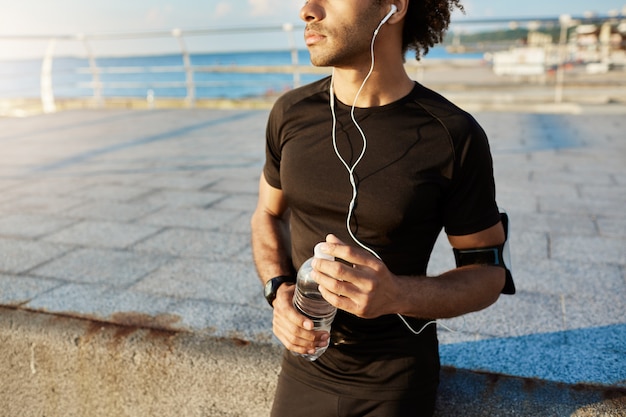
(276, 9)
(158, 16)
(262, 7)
(223, 9)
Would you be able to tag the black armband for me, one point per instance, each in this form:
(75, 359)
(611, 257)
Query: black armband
(493, 255)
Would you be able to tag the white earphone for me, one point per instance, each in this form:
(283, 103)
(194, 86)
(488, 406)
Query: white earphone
(392, 10)
(352, 168)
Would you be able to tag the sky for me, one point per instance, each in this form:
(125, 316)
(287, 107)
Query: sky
(62, 17)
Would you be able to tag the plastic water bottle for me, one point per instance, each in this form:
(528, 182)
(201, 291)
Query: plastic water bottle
(309, 301)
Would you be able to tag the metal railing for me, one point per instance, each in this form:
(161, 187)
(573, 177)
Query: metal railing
(191, 82)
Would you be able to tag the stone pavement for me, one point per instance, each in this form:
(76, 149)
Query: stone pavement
(141, 218)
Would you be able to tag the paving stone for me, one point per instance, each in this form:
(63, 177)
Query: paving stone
(551, 189)
(564, 177)
(177, 182)
(191, 218)
(125, 177)
(593, 309)
(225, 320)
(513, 201)
(589, 249)
(522, 314)
(612, 227)
(231, 186)
(620, 178)
(31, 225)
(113, 211)
(18, 256)
(103, 234)
(181, 199)
(17, 290)
(54, 186)
(7, 184)
(109, 192)
(613, 193)
(559, 223)
(225, 282)
(568, 277)
(442, 257)
(248, 171)
(240, 224)
(240, 202)
(102, 302)
(40, 204)
(195, 244)
(560, 205)
(101, 266)
(527, 246)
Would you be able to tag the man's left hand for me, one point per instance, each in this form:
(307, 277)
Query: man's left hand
(362, 285)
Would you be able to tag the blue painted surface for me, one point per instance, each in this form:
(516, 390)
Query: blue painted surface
(583, 356)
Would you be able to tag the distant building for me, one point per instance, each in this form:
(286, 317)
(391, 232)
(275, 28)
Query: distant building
(599, 47)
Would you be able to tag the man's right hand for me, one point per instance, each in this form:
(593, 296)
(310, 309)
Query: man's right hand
(294, 330)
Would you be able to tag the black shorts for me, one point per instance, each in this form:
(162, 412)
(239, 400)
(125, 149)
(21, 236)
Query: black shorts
(296, 399)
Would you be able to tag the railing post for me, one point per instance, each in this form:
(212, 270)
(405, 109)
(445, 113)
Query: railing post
(288, 28)
(95, 71)
(47, 94)
(190, 100)
(566, 21)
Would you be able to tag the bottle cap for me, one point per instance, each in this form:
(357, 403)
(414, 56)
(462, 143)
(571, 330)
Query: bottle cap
(317, 253)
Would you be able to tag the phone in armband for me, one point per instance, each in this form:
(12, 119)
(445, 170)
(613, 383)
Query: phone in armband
(499, 255)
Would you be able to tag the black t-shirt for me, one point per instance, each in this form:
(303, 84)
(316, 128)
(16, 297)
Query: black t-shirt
(427, 166)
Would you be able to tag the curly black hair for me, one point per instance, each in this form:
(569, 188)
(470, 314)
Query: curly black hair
(426, 24)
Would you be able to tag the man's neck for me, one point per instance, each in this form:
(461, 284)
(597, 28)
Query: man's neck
(384, 86)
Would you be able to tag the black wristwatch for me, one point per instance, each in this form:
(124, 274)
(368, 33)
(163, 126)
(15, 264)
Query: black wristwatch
(271, 287)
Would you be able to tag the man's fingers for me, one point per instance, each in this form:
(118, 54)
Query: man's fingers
(348, 254)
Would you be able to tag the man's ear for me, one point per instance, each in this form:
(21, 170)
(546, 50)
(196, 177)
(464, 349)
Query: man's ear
(402, 7)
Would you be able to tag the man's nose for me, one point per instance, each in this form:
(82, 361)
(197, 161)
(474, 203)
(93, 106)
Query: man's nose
(312, 11)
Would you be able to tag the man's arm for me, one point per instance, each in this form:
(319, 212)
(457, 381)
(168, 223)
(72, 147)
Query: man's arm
(369, 289)
(270, 249)
(270, 233)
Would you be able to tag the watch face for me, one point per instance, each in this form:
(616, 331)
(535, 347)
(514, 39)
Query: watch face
(272, 285)
(268, 289)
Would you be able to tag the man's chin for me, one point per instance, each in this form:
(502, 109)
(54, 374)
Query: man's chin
(320, 62)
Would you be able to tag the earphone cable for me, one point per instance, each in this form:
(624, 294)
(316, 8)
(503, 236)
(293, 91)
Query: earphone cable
(352, 168)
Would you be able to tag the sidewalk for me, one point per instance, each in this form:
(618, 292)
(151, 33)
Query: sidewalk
(141, 219)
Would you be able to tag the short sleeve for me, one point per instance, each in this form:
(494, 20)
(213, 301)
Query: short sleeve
(271, 169)
(470, 202)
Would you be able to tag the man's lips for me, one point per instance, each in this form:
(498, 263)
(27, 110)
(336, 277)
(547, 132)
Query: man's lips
(312, 37)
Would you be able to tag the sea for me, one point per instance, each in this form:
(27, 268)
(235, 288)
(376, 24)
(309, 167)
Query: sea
(164, 76)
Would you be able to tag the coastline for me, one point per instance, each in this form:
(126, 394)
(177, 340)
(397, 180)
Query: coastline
(470, 83)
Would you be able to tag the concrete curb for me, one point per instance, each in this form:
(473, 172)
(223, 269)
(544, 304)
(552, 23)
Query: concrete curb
(65, 367)
(475, 394)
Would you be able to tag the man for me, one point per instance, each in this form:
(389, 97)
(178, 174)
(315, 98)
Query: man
(375, 165)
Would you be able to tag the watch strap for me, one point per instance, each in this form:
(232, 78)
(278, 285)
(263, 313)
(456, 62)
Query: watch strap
(271, 287)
